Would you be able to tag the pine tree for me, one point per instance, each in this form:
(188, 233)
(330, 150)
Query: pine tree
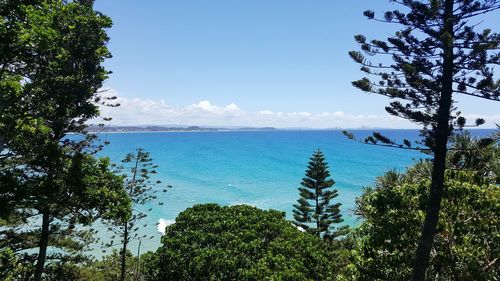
(137, 169)
(436, 55)
(314, 205)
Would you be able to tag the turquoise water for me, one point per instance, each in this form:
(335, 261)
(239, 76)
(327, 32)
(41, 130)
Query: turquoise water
(259, 168)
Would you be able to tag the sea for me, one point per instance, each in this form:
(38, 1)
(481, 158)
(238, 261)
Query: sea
(257, 168)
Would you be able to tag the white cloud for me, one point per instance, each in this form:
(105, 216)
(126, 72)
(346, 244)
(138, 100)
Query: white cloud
(136, 111)
(210, 108)
(266, 112)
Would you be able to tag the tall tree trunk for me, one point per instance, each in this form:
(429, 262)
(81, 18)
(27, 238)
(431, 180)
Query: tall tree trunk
(42, 244)
(317, 210)
(3, 142)
(442, 133)
(138, 271)
(124, 253)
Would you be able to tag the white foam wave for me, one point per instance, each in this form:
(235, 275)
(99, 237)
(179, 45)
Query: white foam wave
(237, 203)
(298, 227)
(301, 229)
(163, 223)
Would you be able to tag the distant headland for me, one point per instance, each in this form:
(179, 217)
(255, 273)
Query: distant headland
(155, 128)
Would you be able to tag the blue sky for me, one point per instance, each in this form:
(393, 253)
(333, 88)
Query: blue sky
(280, 63)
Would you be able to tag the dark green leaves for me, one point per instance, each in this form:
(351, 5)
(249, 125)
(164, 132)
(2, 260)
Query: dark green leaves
(393, 212)
(239, 243)
(357, 57)
(315, 213)
(369, 14)
(416, 74)
(363, 84)
(51, 70)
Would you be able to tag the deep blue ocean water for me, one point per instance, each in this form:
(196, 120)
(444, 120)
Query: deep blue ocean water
(259, 168)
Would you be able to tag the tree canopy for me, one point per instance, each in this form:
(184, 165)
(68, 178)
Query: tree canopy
(315, 211)
(467, 239)
(210, 242)
(50, 74)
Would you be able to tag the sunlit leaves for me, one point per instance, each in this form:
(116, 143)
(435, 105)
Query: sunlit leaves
(240, 243)
(393, 210)
(51, 69)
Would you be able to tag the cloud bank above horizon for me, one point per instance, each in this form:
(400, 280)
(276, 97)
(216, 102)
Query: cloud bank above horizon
(137, 111)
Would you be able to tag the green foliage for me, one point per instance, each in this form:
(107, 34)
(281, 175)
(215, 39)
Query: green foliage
(149, 266)
(210, 242)
(87, 189)
(415, 52)
(12, 267)
(467, 239)
(50, 72)
(477, 154)
(314, 205)
(436, 54)
(8, 263)
(137, 169)
(107, 269)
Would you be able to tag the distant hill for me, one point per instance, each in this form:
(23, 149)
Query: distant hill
(118, 129)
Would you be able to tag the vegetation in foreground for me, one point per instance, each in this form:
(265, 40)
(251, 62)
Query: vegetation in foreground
(52, 186)
(246, 243)
(239, 243)
(315, 212)
(436, 54)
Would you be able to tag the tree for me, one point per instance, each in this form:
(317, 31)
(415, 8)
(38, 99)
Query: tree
(51, 69)
(314, 205)
(474, 154)
(467, 240)
(106, 269)
(210, 242)
(436, 55)
(8, 263)
(87, 190)
(137, 169)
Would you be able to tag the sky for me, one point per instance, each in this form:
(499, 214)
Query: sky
(280, 63)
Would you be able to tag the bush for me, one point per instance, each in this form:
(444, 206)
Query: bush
(467, 242)
(210, 242)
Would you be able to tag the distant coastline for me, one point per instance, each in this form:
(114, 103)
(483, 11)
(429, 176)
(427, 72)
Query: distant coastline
(175, 128)
(145, 129)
